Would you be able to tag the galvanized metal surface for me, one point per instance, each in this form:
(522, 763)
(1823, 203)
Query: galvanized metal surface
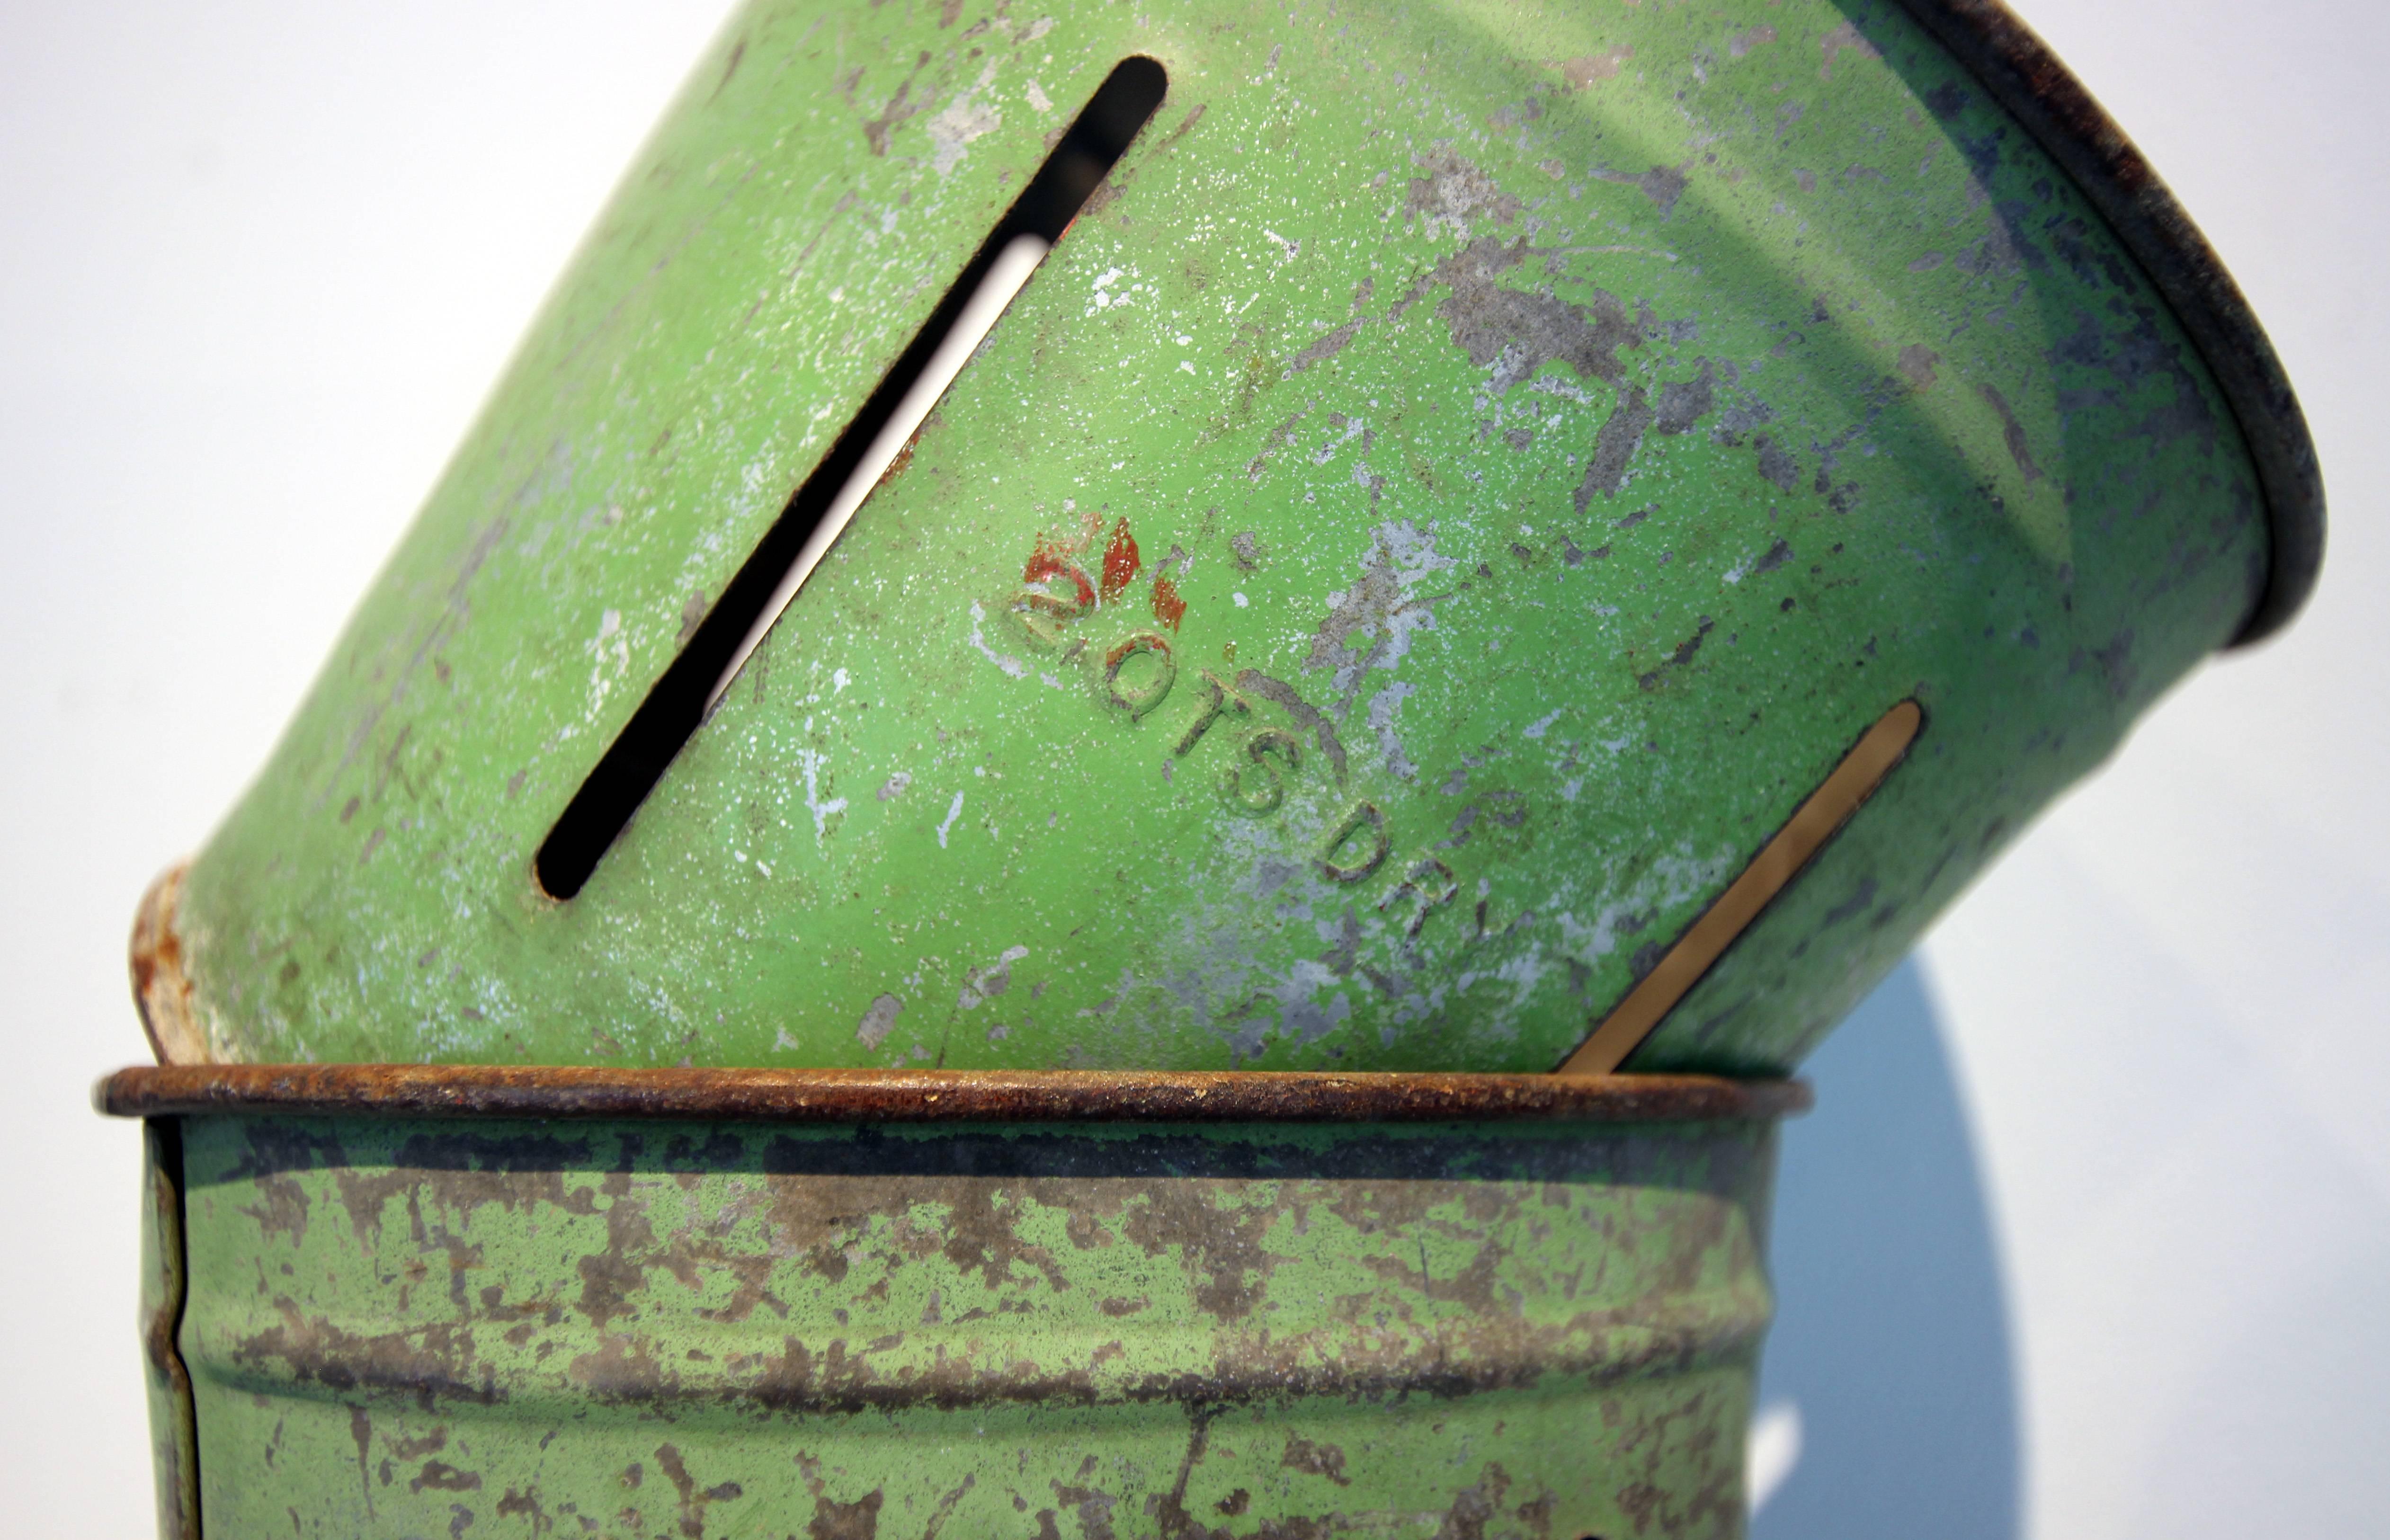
(1509, 1327)
(1468, 479)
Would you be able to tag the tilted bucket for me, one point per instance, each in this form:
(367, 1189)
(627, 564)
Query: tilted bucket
(414, 1302)
(1475, 497)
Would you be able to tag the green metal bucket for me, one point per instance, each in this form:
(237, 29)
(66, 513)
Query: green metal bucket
(1381, 597)
(389, 1301)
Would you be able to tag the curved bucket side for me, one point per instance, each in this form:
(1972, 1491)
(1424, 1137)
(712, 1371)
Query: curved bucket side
(1465, 480)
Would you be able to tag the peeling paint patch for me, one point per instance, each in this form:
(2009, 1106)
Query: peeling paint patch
(1662, 184)
(1621, 435)
(1592, 68)
(900, 107)
(952, 131)
(981, 984)
(878, 1021)
(1382, 708)
(609, 658)
(1775, 557)
(1010, 664)
(1324, 347)
(1516, 332)
(823, 811)
(1842, 39)
(1369, 625)
(1454, 194)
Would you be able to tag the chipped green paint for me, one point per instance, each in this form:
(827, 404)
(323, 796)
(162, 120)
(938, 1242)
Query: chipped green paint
(1498, 1330)
(1566, 426)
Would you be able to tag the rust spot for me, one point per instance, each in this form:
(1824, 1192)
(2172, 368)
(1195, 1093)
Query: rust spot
(428, 1363)
(946, 1504)
(1680, 658)
(1663, 185)
(1516, 332)
(1121, 562)
(835, 1520)
(1324, 347)
(1916, 362)
(440, 1476)
(1316, 1459)
(1473, 1507)
(1168, 608)
(361, 1430)
(2013, 433)
(876, 133)
(524, 1505)
(1621, 435)
(692, 1501)
(415, 1449)
(161, 991)
(1842, 39)
(1588, 69)
(902, 461)
(839, 1096)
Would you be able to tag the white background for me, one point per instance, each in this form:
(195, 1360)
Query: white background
(2090, 1235)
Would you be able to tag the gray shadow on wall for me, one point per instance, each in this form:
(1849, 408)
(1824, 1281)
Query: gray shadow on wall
(1890, 1335)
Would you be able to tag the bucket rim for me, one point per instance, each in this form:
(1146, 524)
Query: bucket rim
(871, 1095)
(2021, 72)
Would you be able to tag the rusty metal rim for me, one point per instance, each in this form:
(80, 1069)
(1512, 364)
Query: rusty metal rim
(2013, 64)
(928, 1096)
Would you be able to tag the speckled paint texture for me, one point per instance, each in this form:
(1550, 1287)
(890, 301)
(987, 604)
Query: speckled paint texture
(1467, 477)
(1508, 1331)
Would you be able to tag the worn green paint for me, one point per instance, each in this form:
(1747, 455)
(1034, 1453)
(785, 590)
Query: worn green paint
(1499, 1330)
(1589, 417)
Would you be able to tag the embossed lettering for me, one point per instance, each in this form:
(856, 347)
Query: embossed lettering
(1043, 615)
(1219, 700)
(1441, 888)
(1138, 700)
(1365, 815)
(1244, 795)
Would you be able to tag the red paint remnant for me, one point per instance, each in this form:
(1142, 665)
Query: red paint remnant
(1121, 562)
(1051, 559)
(1046, 560)
(1167, 606)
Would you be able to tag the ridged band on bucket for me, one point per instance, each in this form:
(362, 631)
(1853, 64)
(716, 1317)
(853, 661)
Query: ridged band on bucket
(401, 1300)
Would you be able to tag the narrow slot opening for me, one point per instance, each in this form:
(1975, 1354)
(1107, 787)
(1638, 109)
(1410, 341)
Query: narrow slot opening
(821, 507)
(1844, 790)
